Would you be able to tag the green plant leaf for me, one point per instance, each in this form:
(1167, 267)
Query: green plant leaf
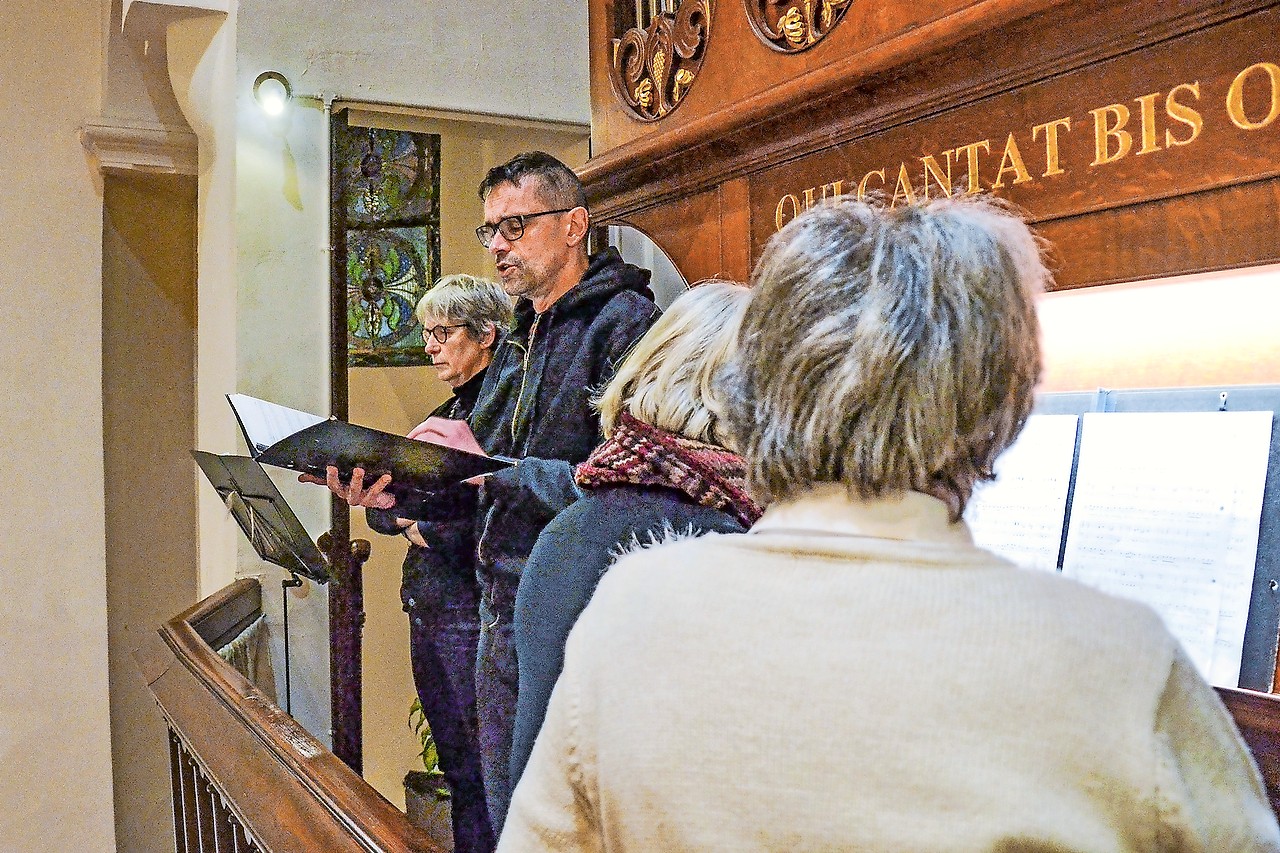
(418, 724)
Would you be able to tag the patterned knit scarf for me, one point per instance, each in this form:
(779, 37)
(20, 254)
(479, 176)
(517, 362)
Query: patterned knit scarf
(643, 455)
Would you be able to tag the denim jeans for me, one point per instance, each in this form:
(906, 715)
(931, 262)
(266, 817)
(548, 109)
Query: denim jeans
(496, 685)
(442, 650)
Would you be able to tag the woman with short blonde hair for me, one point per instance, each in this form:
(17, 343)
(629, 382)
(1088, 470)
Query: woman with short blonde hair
(663, 468)
(670, 379)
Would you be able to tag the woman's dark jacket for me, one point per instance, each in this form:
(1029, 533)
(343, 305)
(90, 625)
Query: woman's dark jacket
(443, 575)
(574, 550)
(535, 404)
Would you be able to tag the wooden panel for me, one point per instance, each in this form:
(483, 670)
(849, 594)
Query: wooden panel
(742, 78)
(919, 75)
(688, 230)
(1112, 221)
(1213, 230)
(1257, 715)
(735, 229)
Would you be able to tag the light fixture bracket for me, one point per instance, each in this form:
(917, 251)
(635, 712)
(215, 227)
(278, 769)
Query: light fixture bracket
(272, 92)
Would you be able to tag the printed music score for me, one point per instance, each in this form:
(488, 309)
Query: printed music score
(1020, 514)
(263, 423)
(1166, 511)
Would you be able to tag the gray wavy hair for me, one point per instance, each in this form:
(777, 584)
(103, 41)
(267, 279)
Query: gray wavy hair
(673, 378)
(888, 349)
(477, 303)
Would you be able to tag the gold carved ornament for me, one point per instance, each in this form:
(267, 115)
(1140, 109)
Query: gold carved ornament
(653, 67)
(795, 25)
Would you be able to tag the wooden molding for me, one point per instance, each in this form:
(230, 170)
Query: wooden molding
(986, 49)
(912, 98)
(800, 92)
(141, 147)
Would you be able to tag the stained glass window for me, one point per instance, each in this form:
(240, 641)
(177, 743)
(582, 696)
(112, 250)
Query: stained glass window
(387, 234)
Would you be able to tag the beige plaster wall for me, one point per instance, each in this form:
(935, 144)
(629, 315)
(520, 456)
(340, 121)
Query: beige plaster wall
(435, 55)
(148, 383)
(397, 398)
(200, 53)
(281, 348)
(55, 794)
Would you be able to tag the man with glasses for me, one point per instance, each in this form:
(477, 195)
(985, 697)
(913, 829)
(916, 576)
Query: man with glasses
(576, 317)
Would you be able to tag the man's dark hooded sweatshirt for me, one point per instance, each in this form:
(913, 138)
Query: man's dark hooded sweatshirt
(535, 406)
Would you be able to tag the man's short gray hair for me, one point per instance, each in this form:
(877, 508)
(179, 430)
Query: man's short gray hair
(673, 378)
(557, 184)
(477, 303)
(888, 349)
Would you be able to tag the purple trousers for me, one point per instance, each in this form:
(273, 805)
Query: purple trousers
(442, 650)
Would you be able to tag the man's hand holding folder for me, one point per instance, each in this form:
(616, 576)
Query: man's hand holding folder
(355, 493)
(442, 431)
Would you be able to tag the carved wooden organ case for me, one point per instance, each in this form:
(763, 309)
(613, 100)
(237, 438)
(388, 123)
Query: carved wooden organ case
(1142, 138)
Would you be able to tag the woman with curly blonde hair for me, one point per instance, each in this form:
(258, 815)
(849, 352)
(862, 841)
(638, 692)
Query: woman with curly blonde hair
(665, 468)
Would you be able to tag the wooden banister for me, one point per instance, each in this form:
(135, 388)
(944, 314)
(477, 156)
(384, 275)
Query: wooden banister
(246, 775)
(1257, 715)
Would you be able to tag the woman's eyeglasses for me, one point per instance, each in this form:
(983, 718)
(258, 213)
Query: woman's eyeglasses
(440, 333)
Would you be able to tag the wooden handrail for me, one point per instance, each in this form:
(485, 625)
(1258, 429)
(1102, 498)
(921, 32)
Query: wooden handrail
(246, 761)
(1257, 715)
(248, 777)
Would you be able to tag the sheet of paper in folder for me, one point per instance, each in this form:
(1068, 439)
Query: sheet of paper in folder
(1020, 515)
(263, 423)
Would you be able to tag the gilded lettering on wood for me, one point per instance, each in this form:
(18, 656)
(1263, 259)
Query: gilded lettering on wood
(1061, 165)
(1235, 96)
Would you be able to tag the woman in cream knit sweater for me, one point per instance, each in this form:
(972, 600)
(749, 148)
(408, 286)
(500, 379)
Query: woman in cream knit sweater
(853, 673)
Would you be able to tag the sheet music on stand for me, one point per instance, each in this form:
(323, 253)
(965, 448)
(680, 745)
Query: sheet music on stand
(266, 519)
(1173, 499)
(1020, 514)
(1166, 510)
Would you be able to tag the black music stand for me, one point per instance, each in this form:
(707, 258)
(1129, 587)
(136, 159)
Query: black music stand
(271, 527)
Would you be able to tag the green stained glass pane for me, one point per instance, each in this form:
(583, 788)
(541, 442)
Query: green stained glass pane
(388, 271)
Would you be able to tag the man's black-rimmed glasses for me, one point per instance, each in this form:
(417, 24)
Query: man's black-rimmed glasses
(511, 227)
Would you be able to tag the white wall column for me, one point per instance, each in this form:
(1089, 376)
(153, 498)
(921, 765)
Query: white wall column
(201, 52)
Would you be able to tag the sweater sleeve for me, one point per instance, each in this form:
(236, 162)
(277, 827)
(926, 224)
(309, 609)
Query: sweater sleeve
(383, 521)
(556, 804)
(542, 487)
(1209, 792)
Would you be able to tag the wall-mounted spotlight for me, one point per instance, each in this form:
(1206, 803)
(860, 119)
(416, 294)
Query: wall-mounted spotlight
(272, 92)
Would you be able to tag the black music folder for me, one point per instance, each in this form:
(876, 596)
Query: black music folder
(307, 443)
(256, 504)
